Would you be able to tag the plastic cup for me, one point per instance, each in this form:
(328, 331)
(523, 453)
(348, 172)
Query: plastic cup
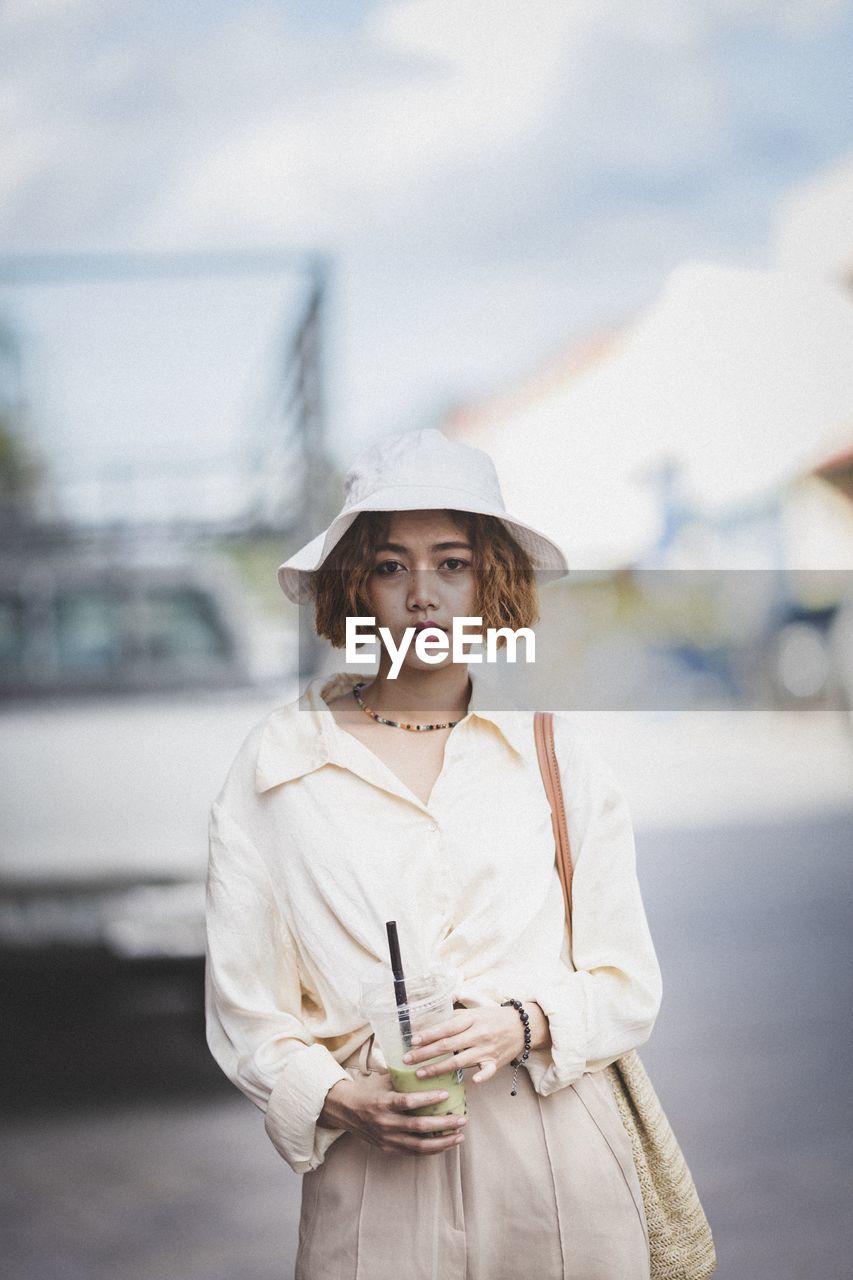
(429, 1001)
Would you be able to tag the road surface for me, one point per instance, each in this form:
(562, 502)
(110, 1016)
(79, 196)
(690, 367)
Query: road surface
(128, 1158)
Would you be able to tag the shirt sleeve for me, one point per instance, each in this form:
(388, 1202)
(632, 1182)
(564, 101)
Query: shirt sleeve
(609, 1004)
(253, 1001)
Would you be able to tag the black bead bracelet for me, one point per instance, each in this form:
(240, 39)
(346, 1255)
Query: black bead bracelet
(525, 1018)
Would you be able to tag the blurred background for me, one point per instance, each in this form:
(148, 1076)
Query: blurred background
(238, 242)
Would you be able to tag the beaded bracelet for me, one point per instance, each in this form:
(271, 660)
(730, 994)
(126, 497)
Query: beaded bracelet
(525, 1018)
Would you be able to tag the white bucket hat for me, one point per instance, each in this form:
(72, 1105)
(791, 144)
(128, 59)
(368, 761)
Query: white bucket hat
(418, 471)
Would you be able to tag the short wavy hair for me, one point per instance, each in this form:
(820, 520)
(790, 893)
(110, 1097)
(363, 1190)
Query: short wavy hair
(507, 595)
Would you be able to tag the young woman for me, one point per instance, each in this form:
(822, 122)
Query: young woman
(416, 799)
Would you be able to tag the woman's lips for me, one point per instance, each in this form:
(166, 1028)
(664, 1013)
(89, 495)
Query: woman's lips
(422, 626)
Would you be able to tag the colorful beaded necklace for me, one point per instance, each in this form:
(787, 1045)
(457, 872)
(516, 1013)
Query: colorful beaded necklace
(396, 724)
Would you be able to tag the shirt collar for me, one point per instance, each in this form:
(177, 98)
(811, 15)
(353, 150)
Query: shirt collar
(300, 737)
(297, 739)
(491, 701)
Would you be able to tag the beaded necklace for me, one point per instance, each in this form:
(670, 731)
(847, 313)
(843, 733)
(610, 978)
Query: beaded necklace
(396, 724)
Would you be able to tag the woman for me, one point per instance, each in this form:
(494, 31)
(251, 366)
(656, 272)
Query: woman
(415, 799)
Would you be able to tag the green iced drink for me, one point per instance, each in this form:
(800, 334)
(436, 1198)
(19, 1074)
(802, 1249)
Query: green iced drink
(428, 1001)
(404, 1080)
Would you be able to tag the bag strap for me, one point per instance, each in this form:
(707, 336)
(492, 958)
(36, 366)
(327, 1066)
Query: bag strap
(543, 732)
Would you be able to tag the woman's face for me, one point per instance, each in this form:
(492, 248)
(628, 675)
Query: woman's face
(422, 572)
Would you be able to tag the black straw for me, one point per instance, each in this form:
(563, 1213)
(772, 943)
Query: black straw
(399, 983)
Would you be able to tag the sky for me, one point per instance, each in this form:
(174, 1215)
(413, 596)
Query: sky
(492, 181)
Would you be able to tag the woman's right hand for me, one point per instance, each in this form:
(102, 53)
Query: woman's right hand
(371, 1109)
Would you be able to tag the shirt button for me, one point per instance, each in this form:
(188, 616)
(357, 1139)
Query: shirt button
(433, 826)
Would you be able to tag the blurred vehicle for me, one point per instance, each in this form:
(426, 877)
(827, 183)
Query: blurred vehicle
(67, 627)
(840, 644)
(797, 655)
(125, 690)
(767, 648)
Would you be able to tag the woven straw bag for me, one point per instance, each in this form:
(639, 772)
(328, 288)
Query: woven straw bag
(680, 1240)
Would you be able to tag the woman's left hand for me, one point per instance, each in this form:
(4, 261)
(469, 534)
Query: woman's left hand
(487, 1038)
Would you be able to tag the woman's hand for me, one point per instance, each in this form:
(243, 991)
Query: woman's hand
(371, 1109)
(487, 1038)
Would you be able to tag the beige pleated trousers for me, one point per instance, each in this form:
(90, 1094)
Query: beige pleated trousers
(541, 1187)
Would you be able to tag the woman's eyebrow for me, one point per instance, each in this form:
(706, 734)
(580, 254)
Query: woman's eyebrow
(436, 546)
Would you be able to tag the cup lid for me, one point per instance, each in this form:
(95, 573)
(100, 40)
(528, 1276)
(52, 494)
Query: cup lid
(423, 991)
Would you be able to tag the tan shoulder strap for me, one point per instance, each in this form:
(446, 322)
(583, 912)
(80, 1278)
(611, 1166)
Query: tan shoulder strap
(543, 731)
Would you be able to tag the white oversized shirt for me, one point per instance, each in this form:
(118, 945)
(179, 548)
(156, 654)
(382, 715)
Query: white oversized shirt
(315, 843)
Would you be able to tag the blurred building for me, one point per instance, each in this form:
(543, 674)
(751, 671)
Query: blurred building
(690, 438)
(694, 439)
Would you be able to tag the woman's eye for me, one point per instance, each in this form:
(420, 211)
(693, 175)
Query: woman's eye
(390, 568)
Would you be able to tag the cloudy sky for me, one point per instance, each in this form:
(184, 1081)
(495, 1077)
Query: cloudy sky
(493, 180)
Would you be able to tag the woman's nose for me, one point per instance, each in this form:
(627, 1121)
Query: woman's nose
(422, 589)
